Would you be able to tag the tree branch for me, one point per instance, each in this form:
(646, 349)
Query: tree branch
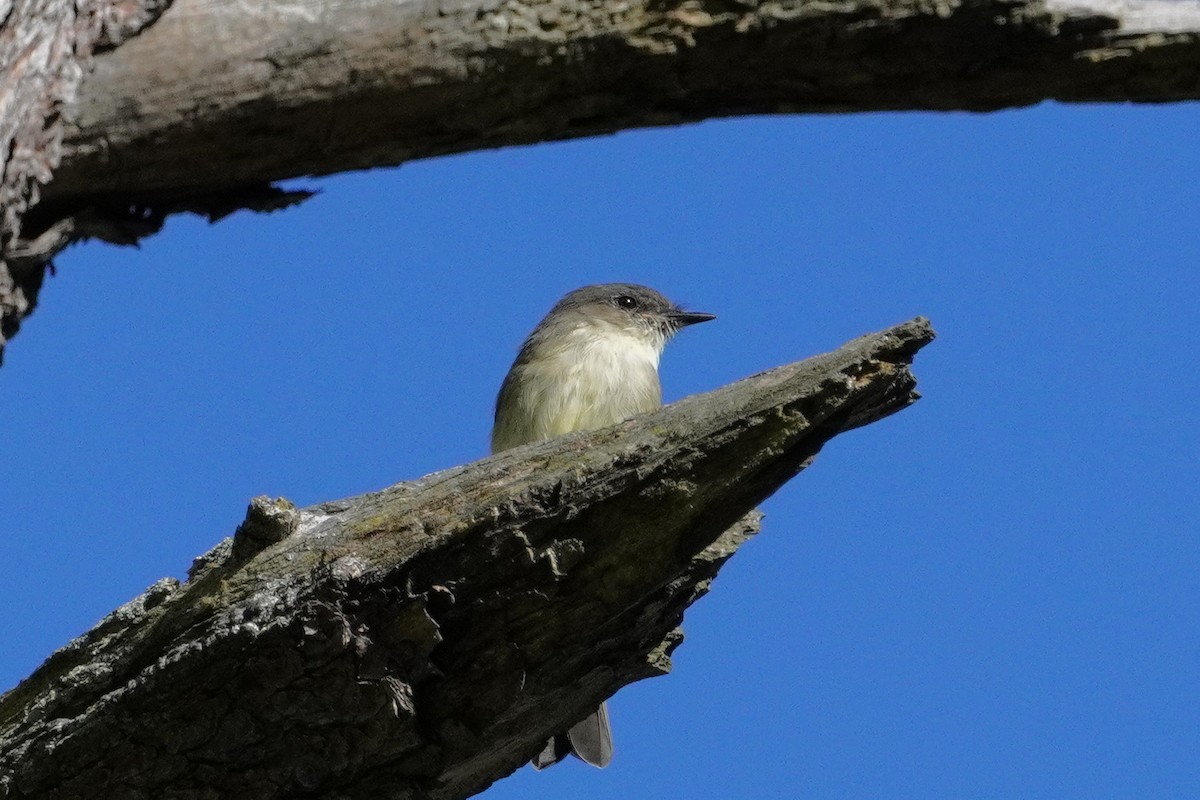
(205, 108)
(422, 641)
(45, 48)
(306, 87)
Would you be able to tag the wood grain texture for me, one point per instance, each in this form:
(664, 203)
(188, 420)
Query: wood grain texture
(204, 109)
(218, 94)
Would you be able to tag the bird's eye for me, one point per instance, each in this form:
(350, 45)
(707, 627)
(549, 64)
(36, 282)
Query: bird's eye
(625, 301)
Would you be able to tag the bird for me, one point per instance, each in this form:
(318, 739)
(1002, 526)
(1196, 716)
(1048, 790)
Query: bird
(591, 362)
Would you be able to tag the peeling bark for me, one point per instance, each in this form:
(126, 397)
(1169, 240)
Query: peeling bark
(45, 48)
(423, 641)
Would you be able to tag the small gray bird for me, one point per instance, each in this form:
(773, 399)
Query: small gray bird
(592, 362)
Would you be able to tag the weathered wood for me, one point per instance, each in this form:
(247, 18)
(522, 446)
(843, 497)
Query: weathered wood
(45, 48)
(205, 108)
(217, 94)
(423, 641)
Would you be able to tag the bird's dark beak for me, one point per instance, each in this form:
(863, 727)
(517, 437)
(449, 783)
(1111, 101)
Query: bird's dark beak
(685, 318)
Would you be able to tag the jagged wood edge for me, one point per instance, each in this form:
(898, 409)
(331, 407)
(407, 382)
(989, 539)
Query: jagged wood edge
(422, 640)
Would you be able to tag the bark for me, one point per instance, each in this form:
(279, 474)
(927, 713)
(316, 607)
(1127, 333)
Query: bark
(423, 641)
(45, 48)
(241, 93)
(208, 106)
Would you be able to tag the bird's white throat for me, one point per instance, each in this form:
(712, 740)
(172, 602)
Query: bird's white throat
(603, 344)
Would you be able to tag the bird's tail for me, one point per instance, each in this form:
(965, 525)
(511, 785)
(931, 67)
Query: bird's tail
(590, 740)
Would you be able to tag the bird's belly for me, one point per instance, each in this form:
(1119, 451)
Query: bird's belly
(597, 393)
(583, 405)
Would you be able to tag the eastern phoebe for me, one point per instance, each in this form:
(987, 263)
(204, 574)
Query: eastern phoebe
(591, 362)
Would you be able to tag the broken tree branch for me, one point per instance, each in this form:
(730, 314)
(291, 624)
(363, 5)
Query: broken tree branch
(422, 641)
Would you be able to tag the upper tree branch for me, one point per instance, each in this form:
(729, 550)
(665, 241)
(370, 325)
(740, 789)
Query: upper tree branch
(217, 95)
(205, 108)
(422, 641)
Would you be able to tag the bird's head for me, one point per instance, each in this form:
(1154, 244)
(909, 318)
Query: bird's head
(629, 307)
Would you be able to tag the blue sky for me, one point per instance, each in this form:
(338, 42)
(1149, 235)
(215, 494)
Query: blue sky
(990, 595)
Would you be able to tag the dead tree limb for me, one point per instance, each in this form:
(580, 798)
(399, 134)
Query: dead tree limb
(205, 108)
(234, 94)
(422, 641)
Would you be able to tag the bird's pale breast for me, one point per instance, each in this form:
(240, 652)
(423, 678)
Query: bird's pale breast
(583, 382)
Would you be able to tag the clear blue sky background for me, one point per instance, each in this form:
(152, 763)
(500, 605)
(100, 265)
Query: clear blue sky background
(992, 594)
